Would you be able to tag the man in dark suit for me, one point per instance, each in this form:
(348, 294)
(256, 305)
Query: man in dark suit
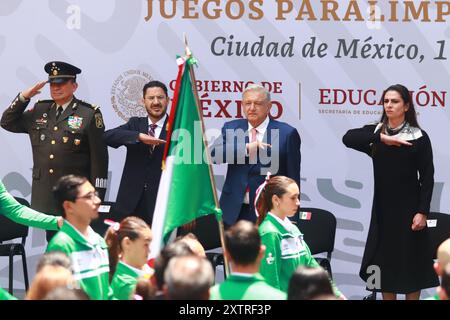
(144, 139)
(65, 133)
(252, 147)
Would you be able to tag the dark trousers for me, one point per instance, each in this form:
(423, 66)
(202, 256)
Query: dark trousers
(244, 214)
(146, 206)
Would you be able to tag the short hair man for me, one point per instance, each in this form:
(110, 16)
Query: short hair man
(172, 250)
(78, 203)
(65, 133)
(442, 262)
(252, 147)
(188, 278)
(144, 138)
(244, 251)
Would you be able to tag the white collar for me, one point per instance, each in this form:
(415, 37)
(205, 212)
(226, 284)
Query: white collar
(262, 127)
(241, 274)
(160, 122)
(286, 223)
(65, 105)
(91, 238)
(139, 272)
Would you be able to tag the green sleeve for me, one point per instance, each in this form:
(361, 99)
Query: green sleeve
(18, 213)
(312, 263)
(111, 294)
(4, 295)
(123, 292)
(59, 243)
(270, 265)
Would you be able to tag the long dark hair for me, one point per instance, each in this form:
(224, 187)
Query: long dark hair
(129, 227)
(410, 115)
(275, 186)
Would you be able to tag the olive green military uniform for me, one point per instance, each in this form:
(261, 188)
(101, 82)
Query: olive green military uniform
(72, 144)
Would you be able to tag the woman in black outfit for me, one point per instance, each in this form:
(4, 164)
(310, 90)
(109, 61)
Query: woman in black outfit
(403, 168)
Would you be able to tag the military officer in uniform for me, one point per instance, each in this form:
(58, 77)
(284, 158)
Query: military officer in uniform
(65, 133)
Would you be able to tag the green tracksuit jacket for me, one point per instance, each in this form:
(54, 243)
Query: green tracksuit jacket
(89, 257)
(245, 287)
(125, 279)
(18, 213)
(4, 295)
(285, 252)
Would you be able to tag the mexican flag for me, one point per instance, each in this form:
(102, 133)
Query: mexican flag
(186, 189)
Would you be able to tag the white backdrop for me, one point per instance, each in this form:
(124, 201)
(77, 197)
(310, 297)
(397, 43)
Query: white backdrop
(317, 91)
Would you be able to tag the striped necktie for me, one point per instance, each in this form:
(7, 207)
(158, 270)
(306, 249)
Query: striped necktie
(151, 132)
(59, 111)
(151, 129)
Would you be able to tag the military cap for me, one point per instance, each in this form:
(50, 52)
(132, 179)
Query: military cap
(60, 72)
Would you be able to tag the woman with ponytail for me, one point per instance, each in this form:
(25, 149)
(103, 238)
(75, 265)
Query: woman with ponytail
(277, 200)
(129, 247)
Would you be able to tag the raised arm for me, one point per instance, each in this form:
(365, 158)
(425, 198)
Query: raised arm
(19, 213)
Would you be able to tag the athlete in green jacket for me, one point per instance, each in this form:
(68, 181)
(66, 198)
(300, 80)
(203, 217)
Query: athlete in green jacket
(19, 213)
(4, 295)
(285, 249)
(79, 203)
(131, 241)
(244, 251)
(13, 210)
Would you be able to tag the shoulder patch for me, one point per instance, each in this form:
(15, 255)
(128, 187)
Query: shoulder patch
(98, 120)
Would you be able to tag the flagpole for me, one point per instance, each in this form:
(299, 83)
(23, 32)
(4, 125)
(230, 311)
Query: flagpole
(211, 176)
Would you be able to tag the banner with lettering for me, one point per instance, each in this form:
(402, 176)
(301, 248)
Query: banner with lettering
(324, 62)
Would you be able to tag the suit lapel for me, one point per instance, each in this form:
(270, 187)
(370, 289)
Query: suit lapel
(163, 134)
(51, 112)
(244, 126)
(271, 132)
(143, 125)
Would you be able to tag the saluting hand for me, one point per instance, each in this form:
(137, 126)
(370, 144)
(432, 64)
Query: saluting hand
(148, 139)
(393, 141)
(419, 222)
(34, 90)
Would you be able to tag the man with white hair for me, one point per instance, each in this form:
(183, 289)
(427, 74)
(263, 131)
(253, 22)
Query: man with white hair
(442, 263)
(252, 147)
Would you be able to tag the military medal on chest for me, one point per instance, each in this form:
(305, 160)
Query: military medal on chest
(41, 121)
(75, 122)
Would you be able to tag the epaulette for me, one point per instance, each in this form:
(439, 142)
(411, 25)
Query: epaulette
(87, 104)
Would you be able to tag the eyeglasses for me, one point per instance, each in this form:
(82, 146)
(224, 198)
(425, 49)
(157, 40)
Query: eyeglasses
(90, 196)
(159, 98)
